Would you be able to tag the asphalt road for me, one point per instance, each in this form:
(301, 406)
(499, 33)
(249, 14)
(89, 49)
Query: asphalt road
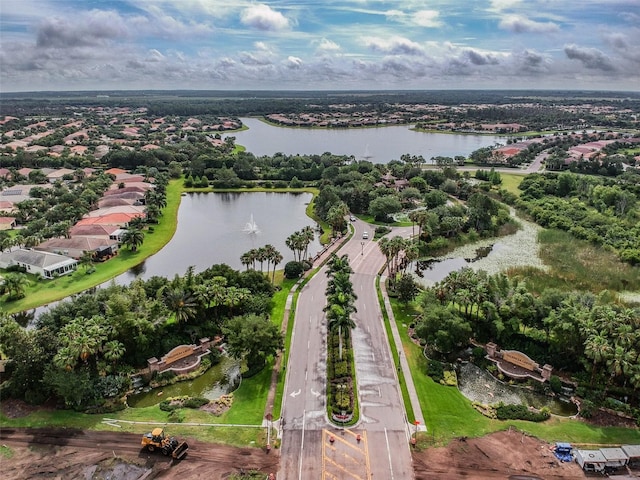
(308, 451)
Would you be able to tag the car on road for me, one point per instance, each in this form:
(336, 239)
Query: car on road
(352, 218)
(365, 235)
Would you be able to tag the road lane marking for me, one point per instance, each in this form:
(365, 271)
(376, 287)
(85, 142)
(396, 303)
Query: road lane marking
(388, 452)
(296, 393)
(304, 414)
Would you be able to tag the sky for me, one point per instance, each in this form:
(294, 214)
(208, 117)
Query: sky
(55, 45)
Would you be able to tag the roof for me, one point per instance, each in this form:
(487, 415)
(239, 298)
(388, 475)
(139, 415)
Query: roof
(92, 230)
(613, 454)
(632, 451)
(111, 219)
(591, 456)
(39, 259)
(7, 220)
(115, 171)
(128, 209)
(77, 243)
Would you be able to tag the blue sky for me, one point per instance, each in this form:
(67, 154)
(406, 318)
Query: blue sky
(328, 45)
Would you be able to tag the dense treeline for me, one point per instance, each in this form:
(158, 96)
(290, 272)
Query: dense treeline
(82, 351)
(603, 211)
(592, 338)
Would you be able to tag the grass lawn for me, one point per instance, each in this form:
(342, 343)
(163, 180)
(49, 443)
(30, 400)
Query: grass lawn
(578, 265)
(448, 414)
(511, 182)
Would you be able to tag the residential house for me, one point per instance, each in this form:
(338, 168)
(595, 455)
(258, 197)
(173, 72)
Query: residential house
(119, 219)
(76, 246)
(7, 223)
(93, 231)
(45, 264)
(128, 209)
(57, 175)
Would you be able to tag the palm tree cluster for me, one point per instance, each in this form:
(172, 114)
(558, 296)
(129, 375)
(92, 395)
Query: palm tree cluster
(299, 243)
(398, 253)
(340, 307)
(268, 254)
(569, 330)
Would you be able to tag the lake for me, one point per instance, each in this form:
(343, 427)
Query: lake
(376, 144)
(212, 229)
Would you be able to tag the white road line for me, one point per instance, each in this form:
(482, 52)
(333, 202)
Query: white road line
(373, 356)
(388, 450)
(379, 392)
(304, 414)
(305, 375)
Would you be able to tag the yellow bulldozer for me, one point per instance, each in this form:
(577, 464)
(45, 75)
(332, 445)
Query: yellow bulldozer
(157, 440)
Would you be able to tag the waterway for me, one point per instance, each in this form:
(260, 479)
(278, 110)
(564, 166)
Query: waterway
(215, 382)
(376, 144)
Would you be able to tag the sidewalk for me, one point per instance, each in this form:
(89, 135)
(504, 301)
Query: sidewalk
(411, 388)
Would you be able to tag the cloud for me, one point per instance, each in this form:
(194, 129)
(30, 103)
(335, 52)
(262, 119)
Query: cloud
(90, 29)
(327, 46)
(427, 18)
(394, 46)
(520, 24)
(262, 17)
(477, 57)
(294, 62)
(591, 58)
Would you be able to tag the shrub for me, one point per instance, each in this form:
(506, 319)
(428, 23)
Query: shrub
(293, 270)
(520, 412)
(195, 402)
(435, 370)
(555, 383)
(341, 369)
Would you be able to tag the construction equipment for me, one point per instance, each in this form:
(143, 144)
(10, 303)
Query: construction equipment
(157, 440)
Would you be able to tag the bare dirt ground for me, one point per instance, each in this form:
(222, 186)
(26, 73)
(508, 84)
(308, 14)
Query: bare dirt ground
(504, 455)
(90, 455)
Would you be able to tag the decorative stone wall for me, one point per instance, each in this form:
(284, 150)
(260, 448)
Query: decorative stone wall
(172, 360)
(515, 364)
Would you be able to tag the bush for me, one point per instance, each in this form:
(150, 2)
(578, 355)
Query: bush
(341, 369)
(293, 270)
(555, 383)
(195, 402)
(520, 412)
(435, 370)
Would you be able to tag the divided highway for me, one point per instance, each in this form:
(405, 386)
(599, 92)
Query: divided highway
(308, 451)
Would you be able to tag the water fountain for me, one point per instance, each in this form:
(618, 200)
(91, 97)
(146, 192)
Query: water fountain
(251, 226)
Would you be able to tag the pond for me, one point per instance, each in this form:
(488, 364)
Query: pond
(377, 144)
(219, 380)
(493, 255)
(478, 385)
(219, 227)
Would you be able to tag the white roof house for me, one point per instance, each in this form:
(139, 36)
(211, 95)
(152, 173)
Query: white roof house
(45, 264)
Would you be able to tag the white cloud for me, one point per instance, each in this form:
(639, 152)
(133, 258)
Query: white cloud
(263, 17)
(521, 24)
(393, 46)
(325, 45)
(294, 62)
(427, 18)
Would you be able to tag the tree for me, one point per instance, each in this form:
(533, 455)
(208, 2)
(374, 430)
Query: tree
(86, 260)
(15, 284)
(252, 338)
(180, 302)
(407, 288)
(384, 206)
(132, 239)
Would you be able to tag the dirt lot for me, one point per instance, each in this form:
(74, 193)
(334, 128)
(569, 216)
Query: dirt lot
(65, 454)
(504, 455)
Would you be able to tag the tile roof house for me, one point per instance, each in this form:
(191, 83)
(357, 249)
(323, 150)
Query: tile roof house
(120, 219)
(76, 246)
(7, 223)
(45, 264)
(94, 231)
(128, 209)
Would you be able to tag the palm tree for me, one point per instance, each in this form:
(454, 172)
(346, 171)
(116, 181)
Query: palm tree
(261, 256)
(276, 258)
(598, 349)
(180, 302)
(307, 236)
(15, 284)
(113, 351)
(86, 260)
(246, 260)
(132, 239)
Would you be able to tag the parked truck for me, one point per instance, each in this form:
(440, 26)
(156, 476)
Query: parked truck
(157, 440)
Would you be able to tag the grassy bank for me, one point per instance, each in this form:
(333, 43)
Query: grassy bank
(448, 414)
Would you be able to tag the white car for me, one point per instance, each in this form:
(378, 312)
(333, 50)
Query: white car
(365, 235)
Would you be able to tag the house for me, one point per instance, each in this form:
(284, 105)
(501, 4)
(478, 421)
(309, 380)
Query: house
(128, 209)
(5, 173)
(76, 246)
(120, 219)
(57, 175)
(93, 231)
(7, 223)
(45, 264)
